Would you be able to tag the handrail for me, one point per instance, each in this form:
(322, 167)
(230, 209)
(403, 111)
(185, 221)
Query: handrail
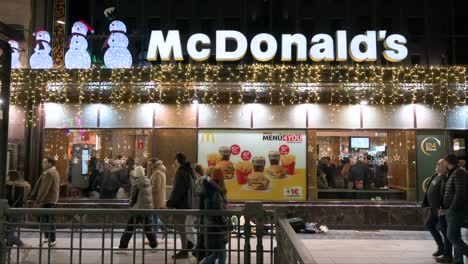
(74, 211)
(290, 247)
(252, 224)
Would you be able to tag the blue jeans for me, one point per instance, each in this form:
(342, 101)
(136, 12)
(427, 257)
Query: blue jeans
(157, 223)
(455, 221)
(218, 255)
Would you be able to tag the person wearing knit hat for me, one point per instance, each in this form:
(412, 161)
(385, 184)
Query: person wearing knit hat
(158, 183)
(141, 198)
(182, 198)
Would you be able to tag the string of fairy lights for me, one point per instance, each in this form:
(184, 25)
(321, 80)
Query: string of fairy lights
(441, 87)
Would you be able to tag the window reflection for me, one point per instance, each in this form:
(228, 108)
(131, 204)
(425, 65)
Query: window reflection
(83, 157)
(355, 165)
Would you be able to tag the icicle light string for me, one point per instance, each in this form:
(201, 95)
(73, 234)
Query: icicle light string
(439, 87)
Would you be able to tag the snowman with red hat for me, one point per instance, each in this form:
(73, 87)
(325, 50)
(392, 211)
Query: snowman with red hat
(15, 54)
(77, 56)
(41, 58)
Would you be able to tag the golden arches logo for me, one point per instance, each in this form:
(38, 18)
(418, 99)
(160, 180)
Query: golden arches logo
(429, 146)
(208, 137)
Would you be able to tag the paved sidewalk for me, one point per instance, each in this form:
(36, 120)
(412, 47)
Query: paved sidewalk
(92, 253)
(335, 247)
(376, 247)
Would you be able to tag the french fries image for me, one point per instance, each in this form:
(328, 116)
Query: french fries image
(213, 159)
(289, 163)
(243, 169)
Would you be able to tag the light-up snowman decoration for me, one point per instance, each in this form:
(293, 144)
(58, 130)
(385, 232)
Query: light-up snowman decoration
(117, 55)
(41, 58)
(77, 56)
(15, 54)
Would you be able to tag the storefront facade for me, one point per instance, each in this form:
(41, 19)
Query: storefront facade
(291, 121)
(397, 136)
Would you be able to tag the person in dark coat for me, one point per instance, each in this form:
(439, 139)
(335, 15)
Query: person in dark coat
(213, 195)
(182, 198)
(433, 200)
(322, 182)
(360, 174)
(200, 250)
(329, 169)
(381, 175)
(93, 175)
(455, 205)
(344, 171)
(107, 183)
(17, 190)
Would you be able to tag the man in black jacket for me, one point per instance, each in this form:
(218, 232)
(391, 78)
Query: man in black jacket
(433, 200)
(360, 173)
(182, 198)
(455, 205)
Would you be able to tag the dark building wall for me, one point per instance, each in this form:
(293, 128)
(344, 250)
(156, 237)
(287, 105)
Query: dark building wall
(435, 29)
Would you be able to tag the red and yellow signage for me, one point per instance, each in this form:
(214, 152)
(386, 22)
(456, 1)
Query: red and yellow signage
(257, 164)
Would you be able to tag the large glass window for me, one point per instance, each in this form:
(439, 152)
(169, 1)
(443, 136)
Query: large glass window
(82, 155)
(16, 152)
(361, 165)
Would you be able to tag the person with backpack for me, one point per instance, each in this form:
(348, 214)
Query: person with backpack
(213, 197)
(17, 191)
(141, 198)
(108, 183)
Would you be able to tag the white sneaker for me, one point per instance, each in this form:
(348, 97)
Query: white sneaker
(48, 243)
(122, 251)
(25, 251)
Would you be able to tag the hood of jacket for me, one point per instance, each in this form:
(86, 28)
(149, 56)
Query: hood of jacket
(213, 196)
(142, 197)
(160, 166)
(142, 182)
(210, 186)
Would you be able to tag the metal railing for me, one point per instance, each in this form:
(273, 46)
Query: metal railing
(290, 248)
(91, 235)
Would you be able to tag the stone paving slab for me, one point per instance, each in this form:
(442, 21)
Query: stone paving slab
(376, 247)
